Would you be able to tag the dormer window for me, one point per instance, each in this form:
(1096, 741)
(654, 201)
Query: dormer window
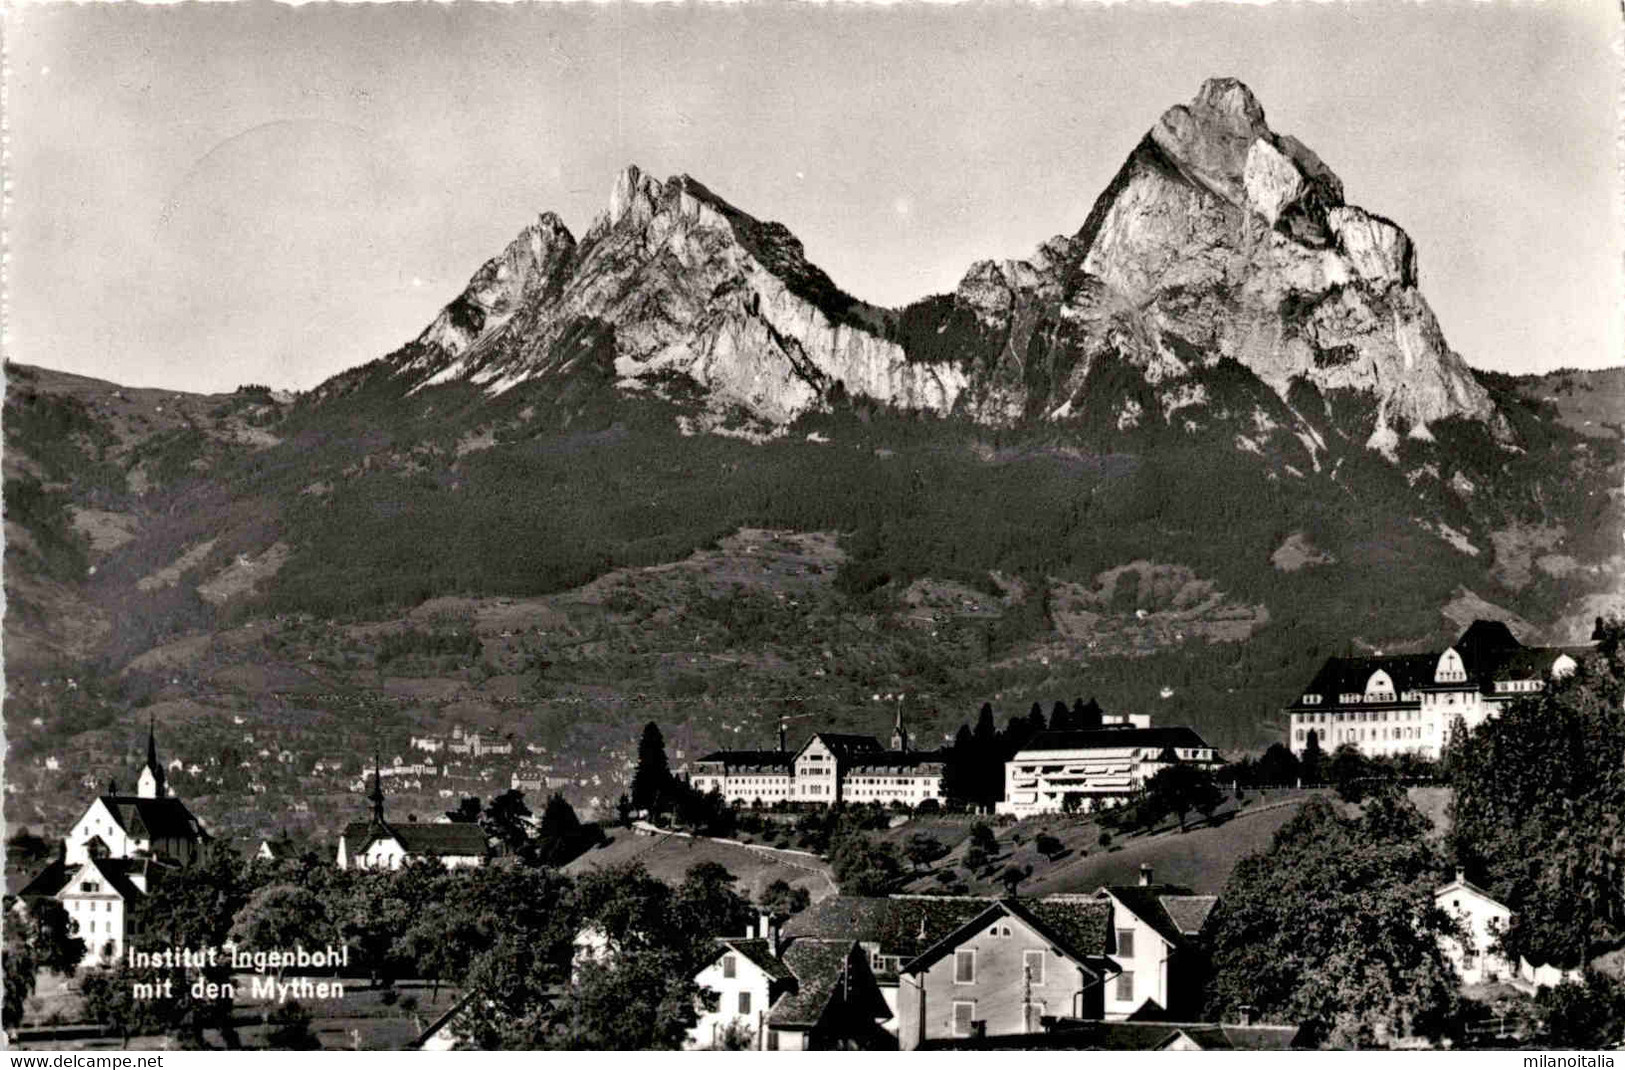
(1311, 699)
(1450, 669)
(1380, 687)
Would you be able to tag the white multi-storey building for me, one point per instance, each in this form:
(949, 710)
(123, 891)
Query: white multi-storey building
(1407, 703)
(829, 768)
(1094, 768)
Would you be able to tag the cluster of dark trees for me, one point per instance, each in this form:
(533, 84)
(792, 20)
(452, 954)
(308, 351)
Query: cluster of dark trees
(663, 796)
(556, 839)
(973, 775)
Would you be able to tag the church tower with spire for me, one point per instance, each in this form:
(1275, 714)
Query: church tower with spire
(152, 785)
(375, 793)
(899, 734)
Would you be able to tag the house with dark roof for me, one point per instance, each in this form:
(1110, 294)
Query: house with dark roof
(778, 993)
(381, 844)
(101, 894)
(1095, 768)
(1408, 703)
(1481, 918)
(1154, 939)
(1006, 969)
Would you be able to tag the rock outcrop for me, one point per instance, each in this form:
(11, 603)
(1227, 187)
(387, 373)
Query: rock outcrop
(684, 284)
(1219, 245)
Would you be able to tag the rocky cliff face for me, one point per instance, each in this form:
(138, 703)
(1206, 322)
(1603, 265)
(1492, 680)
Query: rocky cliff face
(683, 284)
(1220, 244)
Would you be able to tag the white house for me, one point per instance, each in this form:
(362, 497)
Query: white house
(746, 975)
(1153, 931)
(380, 844)
(1482, 918)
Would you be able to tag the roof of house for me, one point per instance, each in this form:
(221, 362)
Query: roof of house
(1175, 912)
(751, 759)
(435, 840)
(57, 876)
(1083, 1035)
(758, 952)
(166, 818)
(819, 967)
(1117, 737)
(1078, 926)
(1463, 883)
(896, 760)
(1343, 675)
(843, 744)
(901, 925)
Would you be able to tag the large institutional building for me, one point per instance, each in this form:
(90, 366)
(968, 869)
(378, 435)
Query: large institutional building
(1408, 702)
(829, 768)
(1094, 768)
(117, 850)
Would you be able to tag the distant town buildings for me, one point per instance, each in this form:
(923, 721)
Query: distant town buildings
(1407, 703)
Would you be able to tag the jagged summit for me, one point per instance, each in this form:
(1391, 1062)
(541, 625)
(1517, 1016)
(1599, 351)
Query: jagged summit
(1220, 243)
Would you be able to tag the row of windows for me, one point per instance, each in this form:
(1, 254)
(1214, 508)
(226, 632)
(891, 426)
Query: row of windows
(1032, 961)
(1032, 1015)
(1357, 716)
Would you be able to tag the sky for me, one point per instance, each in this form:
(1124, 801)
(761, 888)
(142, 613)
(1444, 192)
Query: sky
(203, 196)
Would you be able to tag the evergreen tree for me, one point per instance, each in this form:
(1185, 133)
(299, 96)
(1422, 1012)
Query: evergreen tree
(1087, 716)
(652, 778)
(1309, 764)
(1060, 718)
(959, 769)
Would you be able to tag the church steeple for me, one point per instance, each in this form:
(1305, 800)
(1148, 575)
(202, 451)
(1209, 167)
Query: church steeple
(151, 784)
(375, 793)
(899, 734)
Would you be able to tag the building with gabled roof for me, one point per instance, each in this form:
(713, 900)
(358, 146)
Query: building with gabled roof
(101, 895)
(783, 993)
(1481, 918)
(148, 824)
(1007, 968)
(1408, 703)
(830, 768)
(381, 844)
(1155, 942)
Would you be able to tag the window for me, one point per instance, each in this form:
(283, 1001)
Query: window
(1032, 1015)
(963, 1013)
(744, 1003)
(965, 967)
(730, 965)
(1125, 943)
(1125, 986)
(1033, 963)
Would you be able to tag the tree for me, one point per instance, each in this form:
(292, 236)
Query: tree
(651, 778)
(781, 899)
(1087, 716)
(1334, 927)
(1278, 766)
(504, 822)
(1309, 764)
(27, 849)
(1585, 1016)
(108, 993)
(1539, 810)
(981, 835)
(923, 849)
(623, 811)
(1179, 788)
(467, 812)
(561, 836)
(21, 969)
(1060, 717)
(1351, 772)
(708, 903)
(959, 783)
(1049, 846)
(290, 1028)
(196, 911)
(864, 867)
(281, 916)
(1012, 877)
